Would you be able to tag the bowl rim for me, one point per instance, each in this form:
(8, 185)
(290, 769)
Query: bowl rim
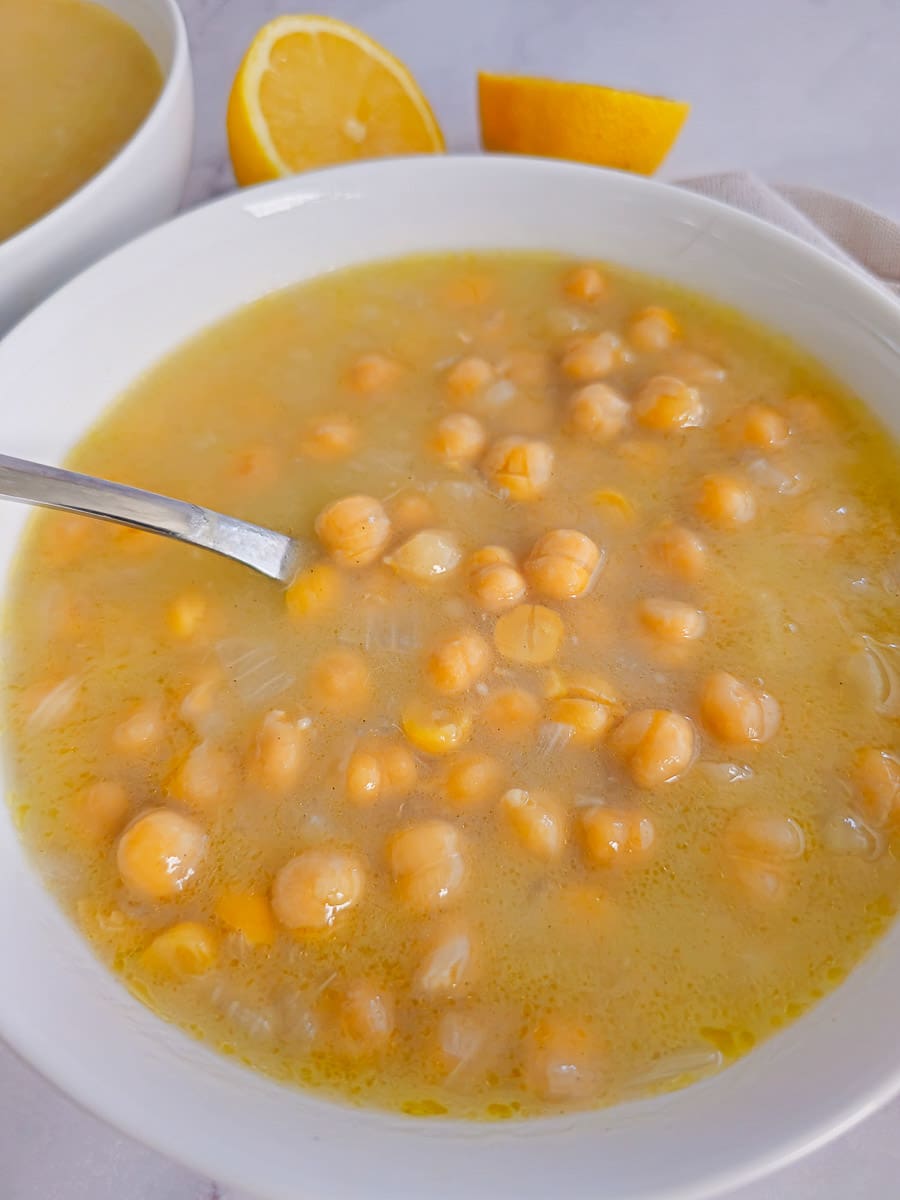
(846, 1110)
(123, 160)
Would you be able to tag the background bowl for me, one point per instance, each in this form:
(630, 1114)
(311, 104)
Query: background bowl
(137, 189)
(69, 1017)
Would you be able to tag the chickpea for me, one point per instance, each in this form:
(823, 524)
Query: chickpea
(139, 733)
(458, 662)
(613, 505)
(563, 564)
(248, 914)
(826, 518)
(446, 963)
(257, 466)
(679, 552)
(652, 329)
(412, 510)
(380, 770)
(657, 745)
(538, 821)
(528, 369)
(587, 704)
(529, 634)
(597, 412)
(354, 530)
(876, 781)
(435, 729)
(66, 537)
(314, 590)
(511, 713)
(726, 502)
(459, 439)
(314, 887)
(199, 702)
(473, 779)
(427, 864)
(696, 368)
(494, 580)
(488, 555)
(520, 467)
(758, 845)
(281, 752)
(340, 683)
(462, 1040)
(427, 556)
(761, 427)
(467, 378)
(188, 615)
(764, 835)
(99, 810)
(206, 778)
(671, 620)
(593, 356)
(469, 290)
(617, 835)
(158, 854)
(135, 542)
(737, 712)
(364, 777)
(587, 720)
(367, 1016)
(586, 283)
(809, 414)
(666, 404)
(764, 884)
(373, 373)
(398, 767)
(186, 948)
(330, 439)
(561, 1062)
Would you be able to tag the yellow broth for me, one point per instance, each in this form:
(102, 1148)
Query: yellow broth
(448, 829)
(75, 83)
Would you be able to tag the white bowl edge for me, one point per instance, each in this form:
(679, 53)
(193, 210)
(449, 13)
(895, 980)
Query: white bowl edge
(808, 1083)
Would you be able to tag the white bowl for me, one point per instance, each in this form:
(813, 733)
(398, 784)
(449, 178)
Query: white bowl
(61, 368)
(137, 189)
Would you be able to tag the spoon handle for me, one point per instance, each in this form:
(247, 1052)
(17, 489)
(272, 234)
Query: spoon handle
(272, 554)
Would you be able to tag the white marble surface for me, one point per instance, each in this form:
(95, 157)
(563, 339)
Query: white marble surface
(801, 91)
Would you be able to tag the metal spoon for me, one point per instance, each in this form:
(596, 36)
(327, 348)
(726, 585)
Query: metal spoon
(273, 554)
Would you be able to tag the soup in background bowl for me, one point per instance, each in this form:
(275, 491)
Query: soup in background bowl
(676, 796)
(95, 134)
(77, 81)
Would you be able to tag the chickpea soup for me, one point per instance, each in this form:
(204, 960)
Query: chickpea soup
(565, 770)
(75, 83)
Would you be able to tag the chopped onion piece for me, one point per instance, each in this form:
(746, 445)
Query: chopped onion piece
(585, 800)
(383, 632)
(700, 1060)
(499, 394)
(258, 1023)
(462, 1038)
(874, 667)
(56, 705)
(774, 478)
(849, 834)
(726, 772)
(566, 320)
(254, 669)
(553, 736)
(427, 555)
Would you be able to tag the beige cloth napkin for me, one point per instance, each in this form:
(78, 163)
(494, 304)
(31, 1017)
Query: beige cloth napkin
(856, 235)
